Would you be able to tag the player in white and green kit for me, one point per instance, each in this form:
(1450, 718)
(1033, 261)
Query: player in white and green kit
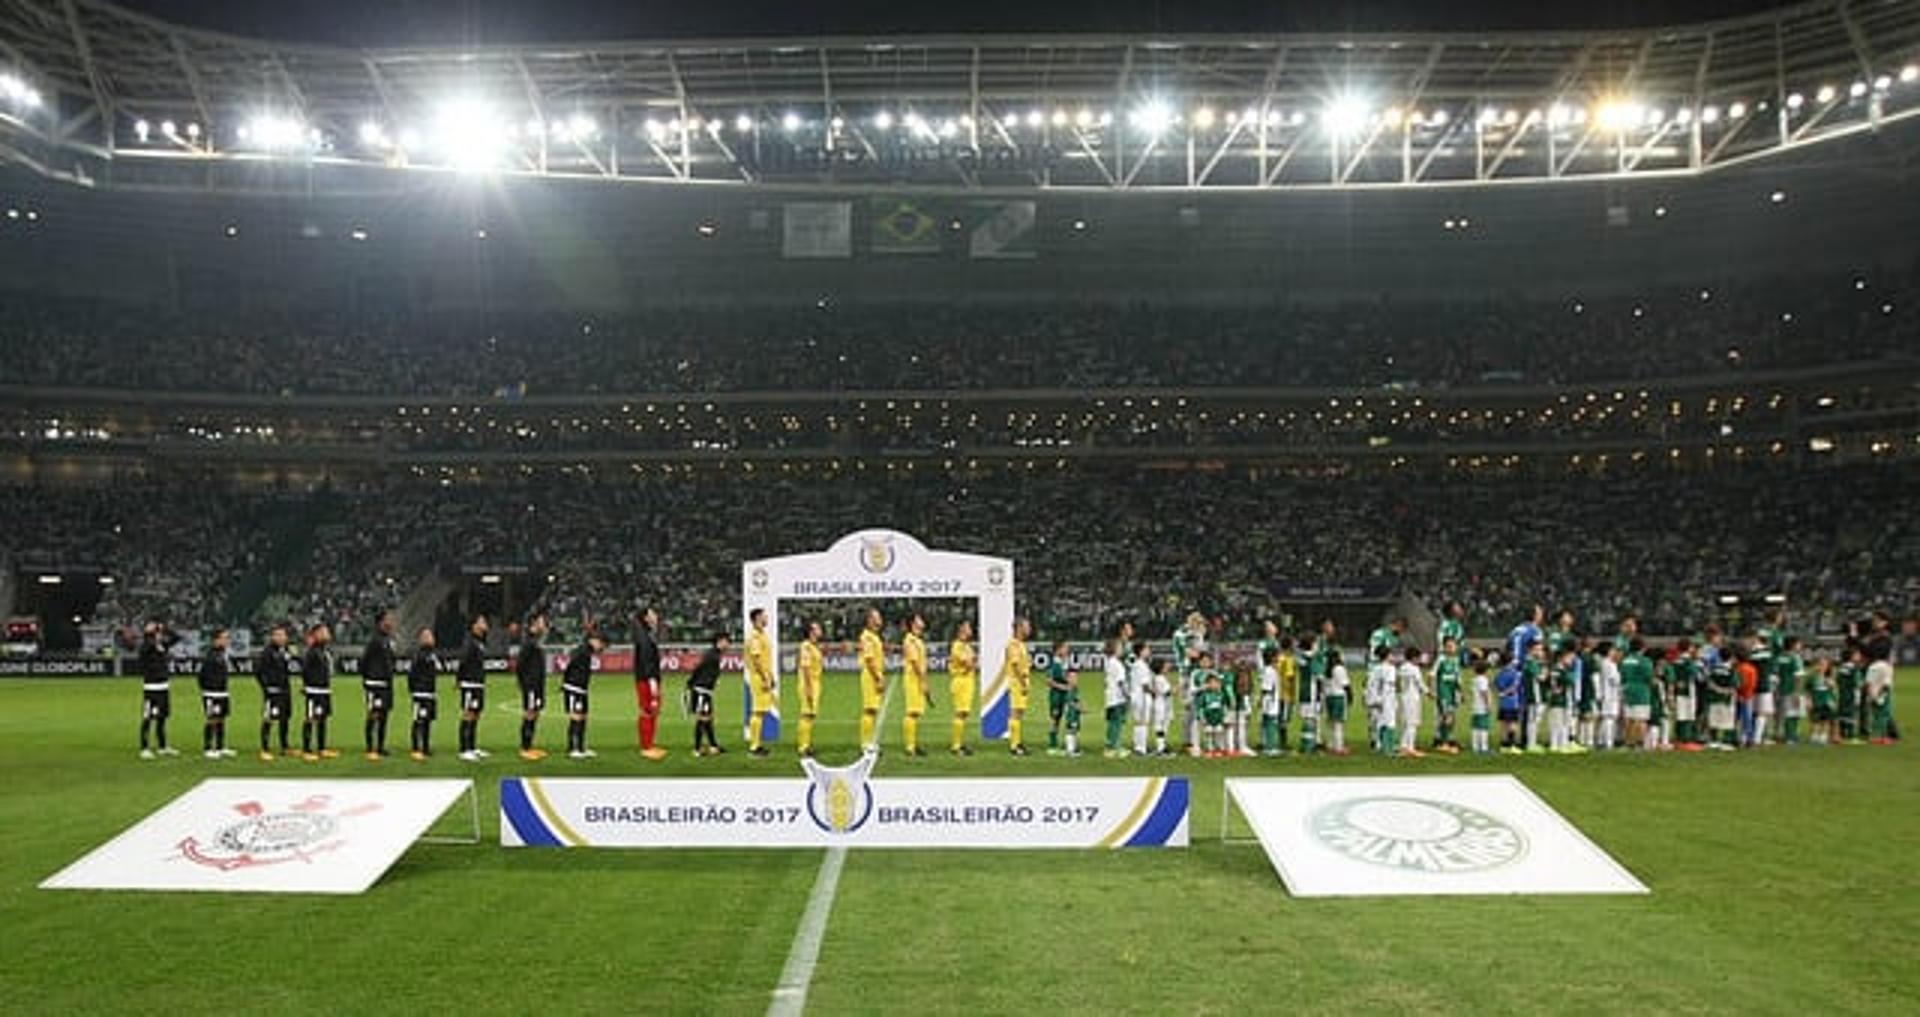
(1789, 670)
(1453, 626)
(1189, 641)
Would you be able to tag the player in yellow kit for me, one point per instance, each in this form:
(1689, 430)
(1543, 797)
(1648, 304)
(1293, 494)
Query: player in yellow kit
(1017, 670)
(873, 677)
(913, 668)
(813, 665)
(759, 679)
(963, 671)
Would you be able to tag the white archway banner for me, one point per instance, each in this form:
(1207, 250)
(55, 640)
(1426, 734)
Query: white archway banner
(872, 565)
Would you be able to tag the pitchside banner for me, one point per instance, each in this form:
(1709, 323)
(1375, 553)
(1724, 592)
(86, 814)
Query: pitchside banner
(268, 836)
(1385, 836)
(842, 808)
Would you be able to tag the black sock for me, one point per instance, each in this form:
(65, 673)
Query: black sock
(220, 736)
(266, 730)
(160, 732)
(526, 734)
(320, 733)
(467, 735)
(306, 736)
(576, 735)
(285, 724)
(366, 732)
(146, 725)
(380, 735)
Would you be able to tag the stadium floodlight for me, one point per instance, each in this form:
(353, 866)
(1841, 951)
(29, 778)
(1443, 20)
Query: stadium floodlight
(1560, 115)
(1059, 118)
(1619, 114)
(1084, 118)
(1910, 73)
(1710, 115)
(790, 121)
(15, 90)
(1153, 117)
(1796, 100)
(169, 129)
(1437, 118)
(141, 129)
(1683, 116)
(468, 134)
(883, 120)
(837, 123)
(1345, 115)
(193, 132)
(582, 127)
(743, 123)
(274, 133)
(372, 136)
(1882, 83)
(1737, 110)
(1203, 117)
(1035, 118)
(1825, 94)
(1857, 89)
(49, 579)
(949, 128)
(1488, 116)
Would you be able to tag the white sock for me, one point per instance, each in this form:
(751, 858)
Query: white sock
(1140, 738)
(1073, 741)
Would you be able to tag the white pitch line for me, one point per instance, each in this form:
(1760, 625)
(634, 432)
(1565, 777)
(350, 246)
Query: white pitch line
(790, 996)
(796, 976)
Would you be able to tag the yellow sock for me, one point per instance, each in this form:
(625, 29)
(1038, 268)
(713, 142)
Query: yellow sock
(1014, 729)
(959, 732)
(911, 728)
(866, 729)
(753, 730)
(806, 732)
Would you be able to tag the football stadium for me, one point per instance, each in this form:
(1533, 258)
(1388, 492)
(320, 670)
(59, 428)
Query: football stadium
(506, 508)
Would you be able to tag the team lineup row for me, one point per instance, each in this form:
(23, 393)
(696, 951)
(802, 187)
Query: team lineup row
(1582, 693)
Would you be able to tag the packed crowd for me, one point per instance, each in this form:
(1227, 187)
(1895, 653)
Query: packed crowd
(1780, 323)
(1094, 546)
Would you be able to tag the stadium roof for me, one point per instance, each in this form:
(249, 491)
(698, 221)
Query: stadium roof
(91, 83)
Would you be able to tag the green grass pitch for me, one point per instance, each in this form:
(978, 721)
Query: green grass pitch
(1783, 880)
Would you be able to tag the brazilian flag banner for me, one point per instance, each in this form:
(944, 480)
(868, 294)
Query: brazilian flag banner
(902, 226)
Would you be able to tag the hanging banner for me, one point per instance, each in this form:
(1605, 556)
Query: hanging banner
(817, 229)
(901, 226)
(1408, 836)
(841, 807)
(268, 836)
(1003, 230)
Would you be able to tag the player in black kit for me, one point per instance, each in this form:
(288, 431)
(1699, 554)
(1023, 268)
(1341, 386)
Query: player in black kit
(530, 667)
(700, 686)
(215, 668)
(376, 683)
(276, 691)
(573, 685)
(316, 684)
(472, 679)
(423, 676)
(156, 691)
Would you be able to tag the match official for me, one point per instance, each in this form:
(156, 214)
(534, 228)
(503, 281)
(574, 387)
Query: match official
(760, 686)
(873, 678)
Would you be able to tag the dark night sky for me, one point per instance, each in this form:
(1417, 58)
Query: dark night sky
(430, 22)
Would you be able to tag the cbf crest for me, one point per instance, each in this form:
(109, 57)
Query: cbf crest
(877, 554)
(838, 798)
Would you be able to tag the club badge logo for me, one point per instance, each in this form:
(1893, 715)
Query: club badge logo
(1416, 834)
(876, 554)
(300, 832)
(838, 798)
(759, 579)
